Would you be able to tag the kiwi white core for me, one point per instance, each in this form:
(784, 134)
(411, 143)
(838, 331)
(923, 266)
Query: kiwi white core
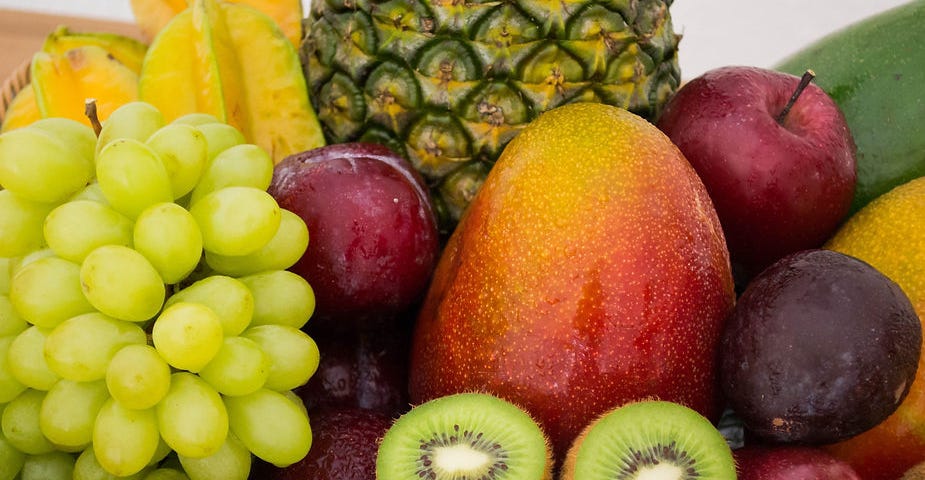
(662, 471)
(458, 459)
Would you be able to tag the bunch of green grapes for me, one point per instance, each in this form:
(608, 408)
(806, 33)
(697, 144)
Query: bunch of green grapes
(149, 327)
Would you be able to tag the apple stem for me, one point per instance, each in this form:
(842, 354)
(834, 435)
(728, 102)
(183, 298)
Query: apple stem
(804, 82)
(90, 112)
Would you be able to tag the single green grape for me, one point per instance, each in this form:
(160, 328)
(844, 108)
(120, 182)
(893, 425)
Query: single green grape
(220, 136)
(81, 347)
(232, 461)
(91, 192)
(184, 151)
(166, 474)
(55, 465)
(21, 223)
(26, 359)
(11, 323)
(239, 368)
(168, 236)
(281, 297)
(124, 440)
(294, 356)
(47, 291)
(76, 228)
(122, 283)
(132, 177)
(138, 377)
(39, 166)
(244, 165)
(236, 220)
(69, 411)
(192, 417)
(133, 120)
(88, 467)
(5, 275)
(230, 299)
(76, 135)
(10, 388)
(197, 118)
(270, 426)
(20, 423)
(11, 459)
(187, 335)
(282, 251)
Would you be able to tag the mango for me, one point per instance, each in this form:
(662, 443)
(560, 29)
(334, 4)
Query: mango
(231, 61)
(875, 72)
(590, 270)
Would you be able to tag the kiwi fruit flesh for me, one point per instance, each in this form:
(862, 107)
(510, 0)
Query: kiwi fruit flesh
(464, 436)
(650, 440)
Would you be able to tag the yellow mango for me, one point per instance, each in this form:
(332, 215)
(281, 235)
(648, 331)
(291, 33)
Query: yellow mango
(153, 15)
(129, 51)
(233, 62)
(63, 82)
(22, 110)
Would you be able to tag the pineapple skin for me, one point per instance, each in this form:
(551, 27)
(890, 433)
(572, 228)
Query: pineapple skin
(448, 83)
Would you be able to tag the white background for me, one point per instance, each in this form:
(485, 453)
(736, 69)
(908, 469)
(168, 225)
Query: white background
(716, 32)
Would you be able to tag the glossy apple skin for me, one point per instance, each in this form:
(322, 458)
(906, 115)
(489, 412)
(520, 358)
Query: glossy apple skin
(778, 188)
(570, 293)
(373, 238)
(786, 462)
(345, 442)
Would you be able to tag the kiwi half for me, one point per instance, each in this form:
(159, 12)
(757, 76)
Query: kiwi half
(651, 440)
(466, 436)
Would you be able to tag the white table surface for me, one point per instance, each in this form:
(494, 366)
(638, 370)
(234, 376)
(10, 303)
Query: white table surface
(716, 32)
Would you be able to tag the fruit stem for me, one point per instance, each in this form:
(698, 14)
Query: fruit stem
(90, 112)
(804, 82)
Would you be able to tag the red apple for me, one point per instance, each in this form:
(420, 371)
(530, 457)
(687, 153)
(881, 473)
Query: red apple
(373, 235)
(780, 182)
(790, 463)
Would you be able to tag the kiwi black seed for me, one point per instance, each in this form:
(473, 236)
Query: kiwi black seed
(650, 439)
(466, 436)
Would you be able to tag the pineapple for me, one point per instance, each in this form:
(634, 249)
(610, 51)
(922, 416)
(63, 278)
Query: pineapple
(448, 83)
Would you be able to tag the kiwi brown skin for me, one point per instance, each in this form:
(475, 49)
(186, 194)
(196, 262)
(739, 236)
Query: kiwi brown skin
(915, 473)
(486, 422)
(723, 454)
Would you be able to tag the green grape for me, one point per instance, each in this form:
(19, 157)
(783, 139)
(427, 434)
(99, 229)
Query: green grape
(124, 440)
(81, 348)
(47, 292)
(20, 224)
(26, 359)
(187, 335)
(230, 299)
(168, 236)
(20, 423)
(281, 297)
(184, 151)
(88, 467)
(76, 135)
(74, 229)
(11, 459)
(18, 263)
(282, 251)
(40, 167)
(132, 177)
(192, 417)
(236, 220)
(69, 411)
(133, 120)
(49, 466)
(166, 474)
(122, 283)
(231, 462)
(11, 323)
(5, 274)
(163, 450)
(296, 400)
(270, 426)
(220, 136)
(240, 367)
(138, 377)
(294, 356)
(91, 192)
(10, 388)
(244, 165)
(195, 119)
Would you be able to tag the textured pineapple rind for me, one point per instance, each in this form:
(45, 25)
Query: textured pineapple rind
(448, 83)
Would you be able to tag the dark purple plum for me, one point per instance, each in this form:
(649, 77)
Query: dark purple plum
(790, 462)
(373, 233)
(820, 347)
